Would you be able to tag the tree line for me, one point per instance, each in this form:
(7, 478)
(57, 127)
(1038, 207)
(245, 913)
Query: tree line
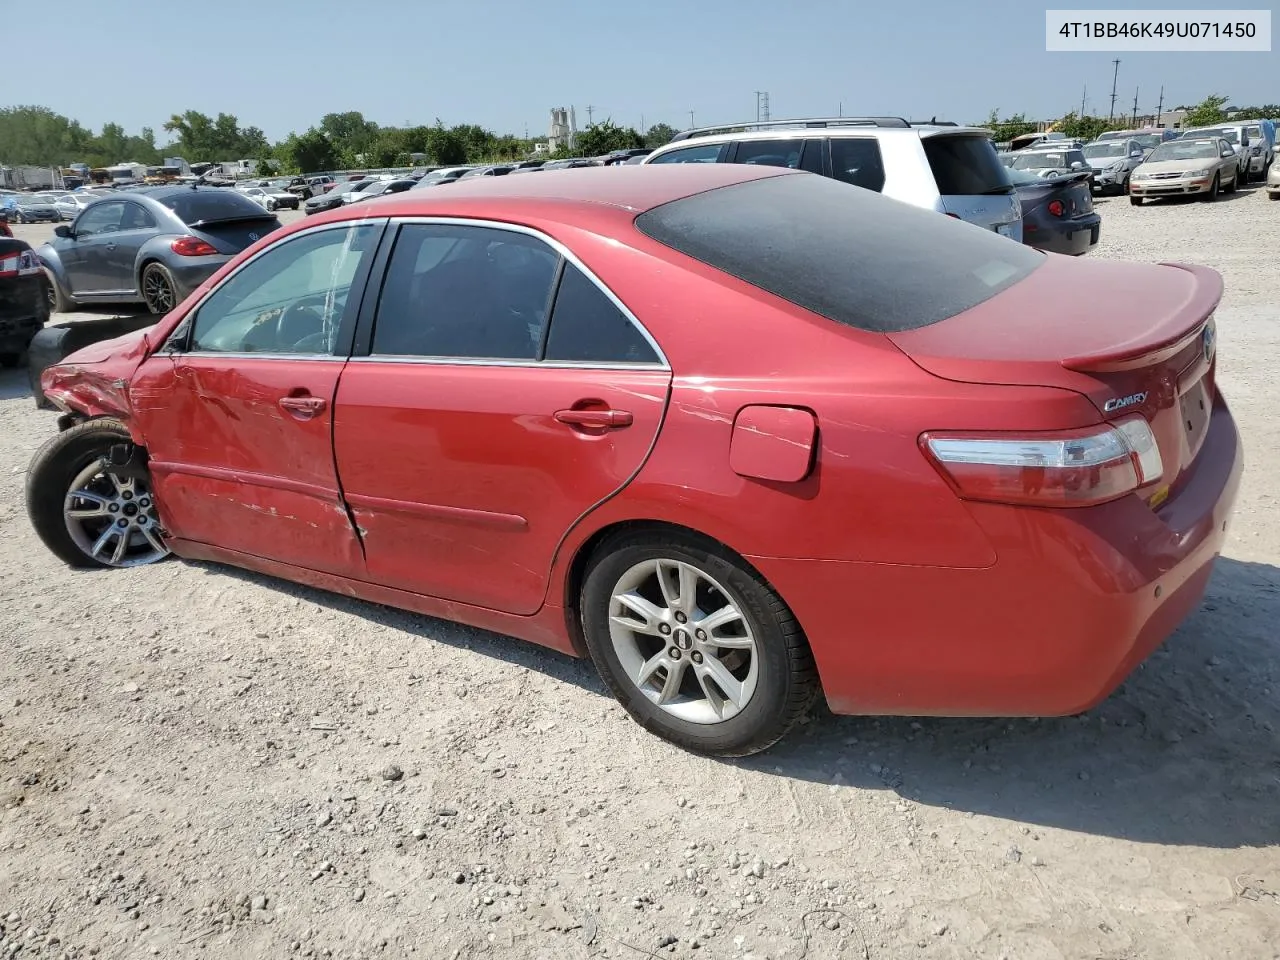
(38, 136)
(1212, 109)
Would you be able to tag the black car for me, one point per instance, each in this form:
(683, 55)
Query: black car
(336, 197)
(152, 245)
(23, 306)
(1057, 212)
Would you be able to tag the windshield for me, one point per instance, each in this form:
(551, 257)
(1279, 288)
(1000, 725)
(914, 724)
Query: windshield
(1149, 141)
(1254, 132)
(1112, 148)
(1044, 161)
(1185, 150)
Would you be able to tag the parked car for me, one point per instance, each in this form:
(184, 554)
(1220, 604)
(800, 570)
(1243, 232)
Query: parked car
(153, 245)
(437, 177)
(1057, 212)
(1273, 182)
(69, 207)
(308, 187)
(1051, 161)
(1262, 145)
(945, 168)
(271, 199)
(532, 438)
(380, 188)
(1235, 134)
(340, 194)
(489, 170)
(1205, 166)
(32, 208)
(572, 163)
(23, 307)
(1112, 163)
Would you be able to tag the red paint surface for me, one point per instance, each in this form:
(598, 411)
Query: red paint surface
(471, 499)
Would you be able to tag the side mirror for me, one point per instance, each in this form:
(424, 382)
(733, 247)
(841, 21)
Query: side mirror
(1077, 165)
(62, 230)
(1136, 154)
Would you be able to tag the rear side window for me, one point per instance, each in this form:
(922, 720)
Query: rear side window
(588, 327)
(770, 153)
(209, 206)
(706, 153)
(857, 160)
(853, 256)
(965, 166)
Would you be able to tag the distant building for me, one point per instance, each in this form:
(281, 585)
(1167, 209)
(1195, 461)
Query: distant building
(564, 129)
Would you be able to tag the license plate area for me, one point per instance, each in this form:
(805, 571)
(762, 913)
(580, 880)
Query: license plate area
(1195, 407)
(1004, 229)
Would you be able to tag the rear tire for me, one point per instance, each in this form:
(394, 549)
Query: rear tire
(59, 302)
(159, 289)
(762, 681)
(10, 360)
(1136, 201)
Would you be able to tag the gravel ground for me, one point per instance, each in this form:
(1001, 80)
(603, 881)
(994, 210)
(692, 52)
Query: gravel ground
(196, 761)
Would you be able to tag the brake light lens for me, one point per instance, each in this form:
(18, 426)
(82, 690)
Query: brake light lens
(1076, 468)
(22, 264)
(192, 247)
(1056, 208)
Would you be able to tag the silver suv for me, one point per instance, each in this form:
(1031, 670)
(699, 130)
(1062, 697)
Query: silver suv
(943, 167)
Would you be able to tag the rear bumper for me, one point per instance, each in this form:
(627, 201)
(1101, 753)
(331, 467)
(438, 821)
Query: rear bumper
(1072, 237)
(17, 332)
(1076, 600)
(194, 271)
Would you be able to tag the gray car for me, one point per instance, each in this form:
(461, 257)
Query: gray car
(153, 245)
(32, 208)
(1113, 162)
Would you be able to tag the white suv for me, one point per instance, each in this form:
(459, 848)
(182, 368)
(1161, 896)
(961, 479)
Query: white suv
(943, 167)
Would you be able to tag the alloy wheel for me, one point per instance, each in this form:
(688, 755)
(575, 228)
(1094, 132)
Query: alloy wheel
(112, 519)
(157, 291)
(683, 641)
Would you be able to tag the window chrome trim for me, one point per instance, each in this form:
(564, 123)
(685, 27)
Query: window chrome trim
(662, 364)
(508, 362)
(191, 315)
(246, 355)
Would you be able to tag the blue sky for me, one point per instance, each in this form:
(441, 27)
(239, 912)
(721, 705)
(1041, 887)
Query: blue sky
(505, 63)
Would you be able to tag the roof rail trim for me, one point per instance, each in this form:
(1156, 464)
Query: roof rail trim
(796, 122)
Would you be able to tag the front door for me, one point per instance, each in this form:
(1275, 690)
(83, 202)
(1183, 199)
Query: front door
(475, 434)
(238, 419)
(84, 257)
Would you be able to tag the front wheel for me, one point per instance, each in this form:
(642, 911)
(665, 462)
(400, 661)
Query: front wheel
(1135, 201)
(86, 514)
(695, 646)
(1214, 188)
(159, 290)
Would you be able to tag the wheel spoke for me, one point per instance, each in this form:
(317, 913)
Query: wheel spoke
(726, 681)
(714, 697)
(650, 615)
(714, 621)
(103, 539)
(675, 674)
(650, 666)
(680, 594)
(98, 506)
(155, 541)
(122, 544)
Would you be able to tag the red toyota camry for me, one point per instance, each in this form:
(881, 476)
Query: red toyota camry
(742, 436)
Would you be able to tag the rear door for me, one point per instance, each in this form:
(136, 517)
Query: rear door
(972, 183)
(474, 434)
(137, 226)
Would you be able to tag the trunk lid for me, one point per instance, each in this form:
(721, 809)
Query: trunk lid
(1148, 347)
(231, 236)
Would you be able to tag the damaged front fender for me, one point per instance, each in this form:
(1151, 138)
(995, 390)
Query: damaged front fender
(94, 381)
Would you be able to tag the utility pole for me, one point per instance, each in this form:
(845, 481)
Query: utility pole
(1135, 106)
(690, 119)
(1083, 93)
(643, 128)
(1116, 76)
(1160, 105)
(840, 109)
(758, 92)
(591, 110)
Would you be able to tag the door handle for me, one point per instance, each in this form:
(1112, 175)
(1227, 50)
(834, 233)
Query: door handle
(111, 246)
(306, 407)
(606, 419)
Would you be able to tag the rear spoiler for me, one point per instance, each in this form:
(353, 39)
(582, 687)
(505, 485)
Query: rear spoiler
(1167, 335)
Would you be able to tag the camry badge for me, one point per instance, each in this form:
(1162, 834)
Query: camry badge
(1120, 403)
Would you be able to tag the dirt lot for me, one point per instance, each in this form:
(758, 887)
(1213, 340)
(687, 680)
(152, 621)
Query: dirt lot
(199, 762)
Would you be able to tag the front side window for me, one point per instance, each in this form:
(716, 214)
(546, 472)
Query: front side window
(464, 292)
(706, 153)
(856, 160)
(588, 327)
(102, 217)
(289, 300)
(770, 153)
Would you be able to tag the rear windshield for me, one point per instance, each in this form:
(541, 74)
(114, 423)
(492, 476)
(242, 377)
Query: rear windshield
(965, 166)
(207, 206)
(842, 253)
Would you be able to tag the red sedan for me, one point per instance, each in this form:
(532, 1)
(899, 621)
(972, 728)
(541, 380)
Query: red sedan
(741, 435)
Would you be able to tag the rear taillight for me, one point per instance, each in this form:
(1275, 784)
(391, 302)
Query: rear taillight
(1056, 208)
(1076, 468)
(19, 265)
(192, 247)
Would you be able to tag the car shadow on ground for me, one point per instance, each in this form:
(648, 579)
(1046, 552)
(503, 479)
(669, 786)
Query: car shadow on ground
(1242, 192)
(14, 383)
(1185, 753)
